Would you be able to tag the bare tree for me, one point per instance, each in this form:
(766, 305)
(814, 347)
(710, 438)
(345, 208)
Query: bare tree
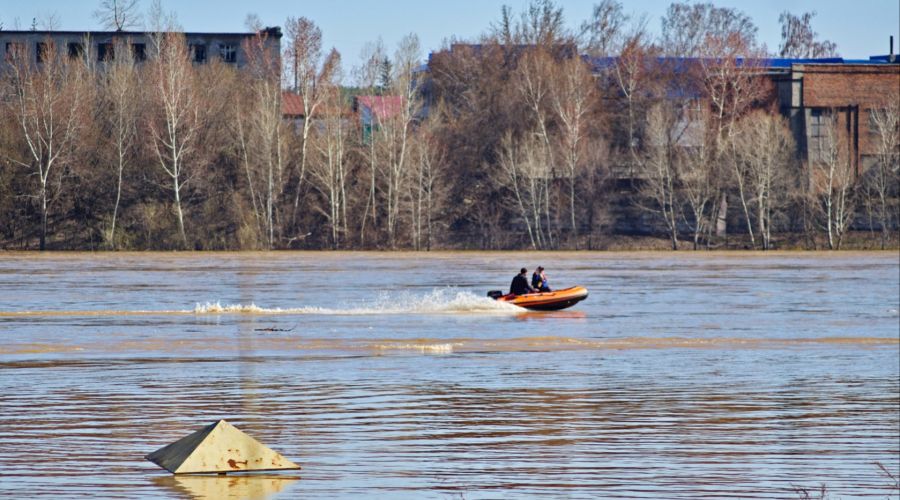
(328, 169)
(833, 181)
(46, 104)
(367, 76)
(798, 40)
(261, 134)
(882, 178)
(601, 34)
(396, 129)
(659, 170)
(687, 27)
(572, 95)
(159, 21)
(428, 185)
(634, 80)
(696, 188)
(764, 159)
(524, 169)
(302, 58)
(175, 123)
(120, 93)
(252, 22)
(119, 15)
(49, 21)
(533, 81)
(541, 23)
(729, 74)
(429, 188)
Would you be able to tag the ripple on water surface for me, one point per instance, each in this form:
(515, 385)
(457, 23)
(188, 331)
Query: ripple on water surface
(679, 376)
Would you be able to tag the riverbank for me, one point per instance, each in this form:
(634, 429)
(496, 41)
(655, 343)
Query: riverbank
(854, 241)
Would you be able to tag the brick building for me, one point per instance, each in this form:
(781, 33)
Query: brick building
(816, 94)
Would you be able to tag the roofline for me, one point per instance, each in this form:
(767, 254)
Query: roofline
(136, 33)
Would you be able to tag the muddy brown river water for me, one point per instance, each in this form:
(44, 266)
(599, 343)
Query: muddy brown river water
(391, 375)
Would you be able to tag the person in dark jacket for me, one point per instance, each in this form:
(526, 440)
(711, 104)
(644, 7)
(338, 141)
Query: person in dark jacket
(519, 285)
(539, 280)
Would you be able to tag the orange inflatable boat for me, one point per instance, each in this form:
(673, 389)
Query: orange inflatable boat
(544, 301)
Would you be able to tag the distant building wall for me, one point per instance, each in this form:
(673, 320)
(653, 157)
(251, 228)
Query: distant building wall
(96, 45)
(812, 94)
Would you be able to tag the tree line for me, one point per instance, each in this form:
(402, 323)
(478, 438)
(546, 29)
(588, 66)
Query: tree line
(513, 140)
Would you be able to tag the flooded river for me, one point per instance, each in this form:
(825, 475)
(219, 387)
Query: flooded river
(392, 375)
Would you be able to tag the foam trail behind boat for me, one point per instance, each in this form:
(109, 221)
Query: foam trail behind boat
(438, 301)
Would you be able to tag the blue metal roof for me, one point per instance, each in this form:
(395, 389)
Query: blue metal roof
(681, 63)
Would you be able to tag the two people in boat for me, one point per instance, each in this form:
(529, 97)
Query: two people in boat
(520, 286)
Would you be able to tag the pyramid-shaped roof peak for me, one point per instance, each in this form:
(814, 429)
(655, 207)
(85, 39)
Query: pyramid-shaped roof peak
(218, 447)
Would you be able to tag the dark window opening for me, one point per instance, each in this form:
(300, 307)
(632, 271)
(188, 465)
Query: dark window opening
(76, 50)
(42, 51)
(139, 51)
(14, 49)
(199, 53)
(228, 53)
(105, 52)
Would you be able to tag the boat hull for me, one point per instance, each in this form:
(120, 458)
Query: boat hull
(548, 301)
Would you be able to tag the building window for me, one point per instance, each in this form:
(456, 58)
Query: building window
(42, 51)
(199, 52)
(76, 50)
(14, 49)
(139, 51)
(228, 52)
(819, 121)
(105, 52)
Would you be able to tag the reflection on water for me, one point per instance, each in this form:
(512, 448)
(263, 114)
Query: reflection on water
(728, 375)
(286, 344)
(237, 487)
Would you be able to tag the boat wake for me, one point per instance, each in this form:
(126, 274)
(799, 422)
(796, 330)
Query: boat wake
(438, 301)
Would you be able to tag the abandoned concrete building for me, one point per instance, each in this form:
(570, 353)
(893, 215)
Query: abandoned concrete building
(100, 45)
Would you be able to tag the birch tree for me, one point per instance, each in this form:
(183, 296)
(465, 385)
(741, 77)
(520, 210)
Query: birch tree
(367, 78)
(175, 122)
(762, 171)
(633, 79)
(46, 105)
(572, 96)
(696, 173)
(396, 128)
(533, 81)
(658, 169)
(121, 103)
(524, 170)
(328, 168)
(261, 136)
(882, 179)
(727, 72)
(833, 182)
(428, 189)
(303, 57)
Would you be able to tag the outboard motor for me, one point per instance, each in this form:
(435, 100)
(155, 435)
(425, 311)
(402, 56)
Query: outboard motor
(495, 294)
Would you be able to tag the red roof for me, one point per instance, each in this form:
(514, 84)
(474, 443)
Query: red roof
(291, 104)
(383, 106)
